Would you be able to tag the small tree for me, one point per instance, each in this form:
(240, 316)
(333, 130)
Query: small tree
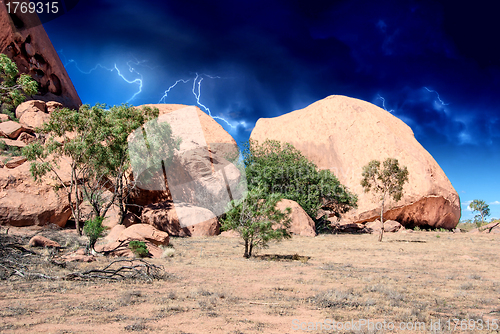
(387, 181)
(483, 210)
(12, 86)
(257, 220)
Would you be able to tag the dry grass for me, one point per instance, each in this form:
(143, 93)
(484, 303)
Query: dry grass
(210, 287)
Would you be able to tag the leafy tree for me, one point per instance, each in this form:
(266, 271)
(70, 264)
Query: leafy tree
(257, 220)
(94, 141)
(12, 86)
(93, 230)
(281, 168)
(482, 209)
(387, 181)
(111, 160)
(275, 171)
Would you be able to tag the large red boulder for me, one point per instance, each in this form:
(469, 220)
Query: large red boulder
(144, 232)
(12, 130)
(24, 202)
(344, 134)
(164, 217)
(119, 238)
(31, 106)
(301, 223)
(201, 172)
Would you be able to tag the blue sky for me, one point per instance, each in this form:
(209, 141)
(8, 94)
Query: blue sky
(433, 64)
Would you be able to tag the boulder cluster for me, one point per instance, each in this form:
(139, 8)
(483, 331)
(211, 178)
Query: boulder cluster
(31, 114)
(357, 132)
(337, 133)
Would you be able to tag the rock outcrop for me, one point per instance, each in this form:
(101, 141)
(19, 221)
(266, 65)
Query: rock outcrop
(27, 44)
(12, 130)
(493, 228)
(15, 162)
(343, 134)
(24, 202)
(164, 217)
(200, 173)
(40, 241)
(144, 232)
(32, 114)
(119, 238)
(301, 223)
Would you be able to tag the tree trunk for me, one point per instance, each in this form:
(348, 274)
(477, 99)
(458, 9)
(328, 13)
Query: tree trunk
(76, 212)
(77, 216)
(382, 221)
(119, 196)
(246, 255)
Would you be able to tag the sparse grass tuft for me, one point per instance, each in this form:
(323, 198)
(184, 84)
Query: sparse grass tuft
(167, 252)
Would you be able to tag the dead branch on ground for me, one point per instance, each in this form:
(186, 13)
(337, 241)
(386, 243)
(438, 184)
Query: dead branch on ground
(127, 268)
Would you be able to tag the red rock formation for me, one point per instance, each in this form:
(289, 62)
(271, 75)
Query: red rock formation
(120, 237)
(343, 134)
(195, 163)
(24, 202)
(39, 241)
(144, 232)
(163, 216)
(25, 42)
(301, 223)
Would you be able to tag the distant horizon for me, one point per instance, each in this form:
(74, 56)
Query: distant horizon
(432, 64)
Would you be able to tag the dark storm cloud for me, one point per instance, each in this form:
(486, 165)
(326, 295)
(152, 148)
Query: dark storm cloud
(277, 56)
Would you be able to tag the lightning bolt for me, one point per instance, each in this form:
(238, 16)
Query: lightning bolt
(437, 94)
(138, 81)
(383, 103)
(196, 88)
(197, 96)
(170, 88)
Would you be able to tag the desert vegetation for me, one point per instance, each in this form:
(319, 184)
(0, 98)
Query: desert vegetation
(482, 209)
(93, 142)
(202, 284)
(207, 286)
(275, 171)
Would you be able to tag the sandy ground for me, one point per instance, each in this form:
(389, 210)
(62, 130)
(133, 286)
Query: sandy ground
(210, 288)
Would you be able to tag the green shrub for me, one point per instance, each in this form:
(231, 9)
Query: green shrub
(13, 87)
(280, 168)
(14, 150)
(93, 230)
(139, 248)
